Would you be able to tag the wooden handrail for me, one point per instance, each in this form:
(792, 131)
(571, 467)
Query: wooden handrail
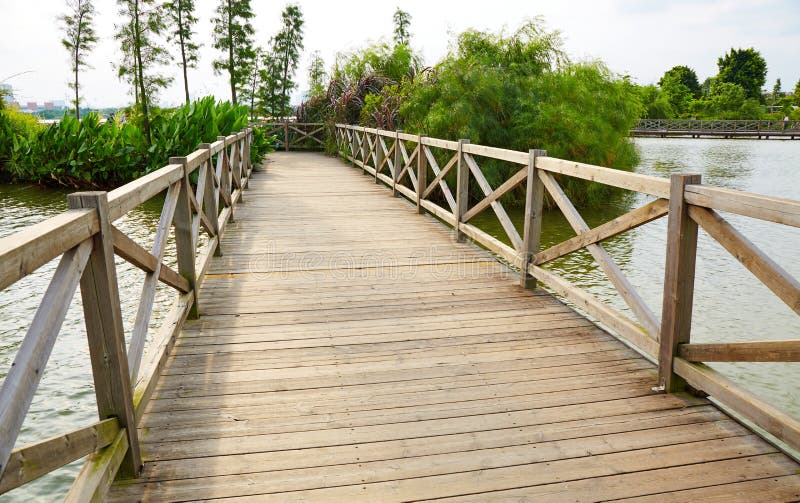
(86, 241)
(666, 342)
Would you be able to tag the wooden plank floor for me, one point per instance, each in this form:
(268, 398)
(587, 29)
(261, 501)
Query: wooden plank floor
(349, 350)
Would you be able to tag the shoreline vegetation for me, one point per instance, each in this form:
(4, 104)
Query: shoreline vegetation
(88, 153)
(516, 90)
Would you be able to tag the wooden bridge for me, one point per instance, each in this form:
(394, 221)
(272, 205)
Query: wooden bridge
(330, 342)
(760, 129)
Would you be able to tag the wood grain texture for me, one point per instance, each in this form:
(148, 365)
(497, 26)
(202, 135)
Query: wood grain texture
(365, 355)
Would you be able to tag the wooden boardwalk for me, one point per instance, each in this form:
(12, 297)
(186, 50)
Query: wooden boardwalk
(350, 350)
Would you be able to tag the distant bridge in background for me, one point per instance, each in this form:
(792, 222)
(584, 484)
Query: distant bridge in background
(761, 129)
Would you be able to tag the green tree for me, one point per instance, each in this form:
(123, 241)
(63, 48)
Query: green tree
(142, 53)
(684, 75)
(776, 91)
(402, 22)
(269, 95)
(286, 47)
(746, 68)
(726, 99)
(249, 92)
(655, 102)
(180, 14)
(797, 93)
(676, 92)
(79, 39)
(316, 75)
(519, 91)
(233, 36)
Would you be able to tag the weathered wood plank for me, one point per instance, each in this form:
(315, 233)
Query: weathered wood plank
(773, 276)
(33, 461)
(25, 373)
(756, 351)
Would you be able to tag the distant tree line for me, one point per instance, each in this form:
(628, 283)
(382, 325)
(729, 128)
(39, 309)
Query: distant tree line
(261, 77)
(736, 92)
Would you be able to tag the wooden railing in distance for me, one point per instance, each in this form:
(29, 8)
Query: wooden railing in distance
(296, 135)
(423, 172)
(86, 240)
(718, 126)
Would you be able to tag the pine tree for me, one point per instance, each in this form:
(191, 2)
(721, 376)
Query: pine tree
(316, 75)
(233, 35)
(79, 39)
(286, 48)
(269, 97)
(142, 53)
(250, 91)
(402, 21)
(180, 14)
(776, 91)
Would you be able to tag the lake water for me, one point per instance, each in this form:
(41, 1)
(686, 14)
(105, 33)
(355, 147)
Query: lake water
(730, 304)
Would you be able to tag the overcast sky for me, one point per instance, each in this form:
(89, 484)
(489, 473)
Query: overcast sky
(640, 38)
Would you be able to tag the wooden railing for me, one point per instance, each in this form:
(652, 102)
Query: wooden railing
(418, 175)
(86, 240)
(296, 135)
(718, 126)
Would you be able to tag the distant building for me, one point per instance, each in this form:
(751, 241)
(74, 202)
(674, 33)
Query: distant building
(48, 105)
(31, 105)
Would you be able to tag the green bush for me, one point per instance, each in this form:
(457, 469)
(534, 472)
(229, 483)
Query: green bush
(520, 92)
(88, 153)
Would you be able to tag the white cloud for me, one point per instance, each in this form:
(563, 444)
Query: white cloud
(642, 39)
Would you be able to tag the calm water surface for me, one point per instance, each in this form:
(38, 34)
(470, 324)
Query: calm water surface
(730, 304)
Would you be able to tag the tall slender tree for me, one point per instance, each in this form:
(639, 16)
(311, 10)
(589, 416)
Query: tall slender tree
(250, 92)
(286, 47)
(316, 75)
(776, 91)
(402, 22)
(269, 97)
(142, 53)
(233, 36)
(180, 14)
(79, 39)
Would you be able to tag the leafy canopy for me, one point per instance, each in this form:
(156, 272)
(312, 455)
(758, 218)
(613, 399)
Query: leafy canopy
(233, 37)
(744, 67)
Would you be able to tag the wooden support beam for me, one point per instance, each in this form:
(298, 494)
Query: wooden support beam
(462, 190)
(532, 227)
(640, 216)
(104, 331)
(676, 313)
(378, 156)
(397, 162)
(25, 373)
(184, 240)
(422, 174)
(756, 261)
(99, 471)
(33, 461)
(602, 257)
(147, 298)
(507, 186)
(755, 351)
(500, 212)
(134, 253)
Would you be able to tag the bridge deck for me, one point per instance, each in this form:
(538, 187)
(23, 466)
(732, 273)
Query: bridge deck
(350, 350)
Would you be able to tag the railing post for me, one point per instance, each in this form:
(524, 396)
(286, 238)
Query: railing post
(225, 175)
(352, 144)
(184, 240)
(462, 189)
(104, 331)
(397, 161)
(422, 174)
(364, 144)
(534, 203)
(286, 135)
(676, 313)
(378, 154)
(210, 201)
